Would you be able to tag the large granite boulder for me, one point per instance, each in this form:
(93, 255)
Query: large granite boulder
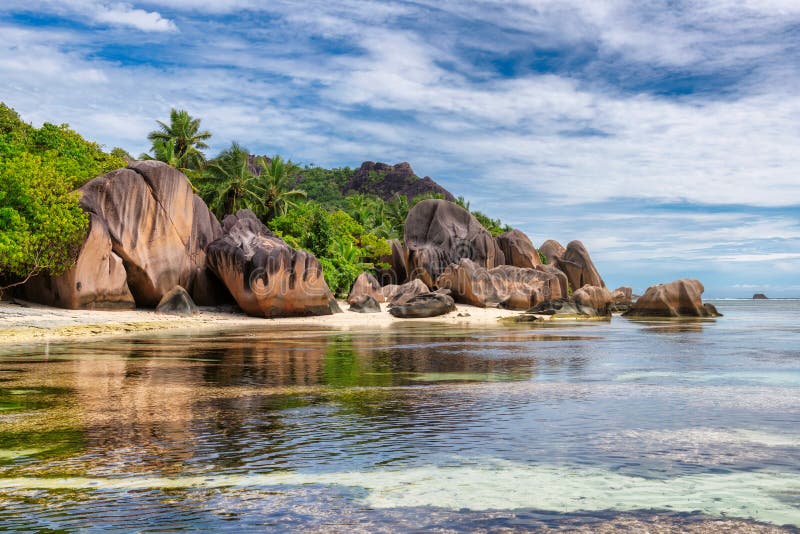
(177, 302)
(366, 284)
(552, 251)
(96, 281)
(518, 249)
(504, 286)
(423, 306)
(395, 274)
(157, 229)
(266, 276)
(396, 295)
(681, 298)
(438, 233)
(578, 267)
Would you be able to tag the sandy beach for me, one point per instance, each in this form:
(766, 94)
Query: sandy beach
(26, 322)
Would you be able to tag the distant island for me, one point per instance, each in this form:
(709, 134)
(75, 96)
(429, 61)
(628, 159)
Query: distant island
(760, 296)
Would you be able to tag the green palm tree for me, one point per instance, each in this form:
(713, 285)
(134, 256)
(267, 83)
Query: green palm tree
(184, 132)
(228, 185)
(276, 185)
(396, 213)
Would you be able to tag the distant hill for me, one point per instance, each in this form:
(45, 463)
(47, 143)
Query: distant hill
(330, 186)
(388, 181)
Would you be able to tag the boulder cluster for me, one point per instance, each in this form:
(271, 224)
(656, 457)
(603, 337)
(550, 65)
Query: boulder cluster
(446, 254)
(153, 243)
(149, 235)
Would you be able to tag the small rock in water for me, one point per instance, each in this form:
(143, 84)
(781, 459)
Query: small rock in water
(760, 296)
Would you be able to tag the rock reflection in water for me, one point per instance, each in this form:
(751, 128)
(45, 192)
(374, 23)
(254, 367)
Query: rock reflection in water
(193, 430)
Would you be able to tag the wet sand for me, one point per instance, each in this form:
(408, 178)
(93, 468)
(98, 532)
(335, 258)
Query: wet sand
(25, 322)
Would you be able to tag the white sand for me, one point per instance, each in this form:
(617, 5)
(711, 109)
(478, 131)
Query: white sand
(26, 322)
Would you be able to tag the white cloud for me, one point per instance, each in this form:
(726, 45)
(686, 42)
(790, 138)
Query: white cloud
(125, 15)
(97, 12)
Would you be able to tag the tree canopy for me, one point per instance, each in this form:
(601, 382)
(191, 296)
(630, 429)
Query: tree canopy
(41, 223)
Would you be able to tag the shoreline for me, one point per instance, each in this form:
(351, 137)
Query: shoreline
(23, 322)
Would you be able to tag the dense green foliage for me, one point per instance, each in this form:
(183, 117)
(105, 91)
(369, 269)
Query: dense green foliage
(326, 186)
(228, 184)
(343, 246)
(276, 181)
(41, 222)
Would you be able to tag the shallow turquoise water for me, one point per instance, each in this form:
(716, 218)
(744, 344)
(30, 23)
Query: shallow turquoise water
(419, 426)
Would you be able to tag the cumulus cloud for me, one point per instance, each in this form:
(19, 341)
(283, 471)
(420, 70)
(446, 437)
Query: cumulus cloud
(125, 15)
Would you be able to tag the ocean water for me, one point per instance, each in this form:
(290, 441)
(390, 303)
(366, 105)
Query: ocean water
(620, 425)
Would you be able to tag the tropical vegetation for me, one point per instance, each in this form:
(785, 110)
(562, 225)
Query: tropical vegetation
(41, 222)
(179, 142)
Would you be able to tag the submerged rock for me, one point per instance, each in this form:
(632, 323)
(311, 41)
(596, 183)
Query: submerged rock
(438, 233)
(177, 302)
(518, 250)
(425, 305)
(364, 304)
(504, 286)
(366, 284)
(681, 298)
(400, 294)
(266, 276)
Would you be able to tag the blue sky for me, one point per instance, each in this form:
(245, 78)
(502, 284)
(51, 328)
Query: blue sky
(664, 135)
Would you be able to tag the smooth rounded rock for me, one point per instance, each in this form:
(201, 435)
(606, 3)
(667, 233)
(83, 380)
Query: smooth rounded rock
(504, 286)
(177, 302)
(425, 305)
(518, 250)
(266, 276)
(364, 304)
(368, 285)
(438, 233)
(681, 298)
